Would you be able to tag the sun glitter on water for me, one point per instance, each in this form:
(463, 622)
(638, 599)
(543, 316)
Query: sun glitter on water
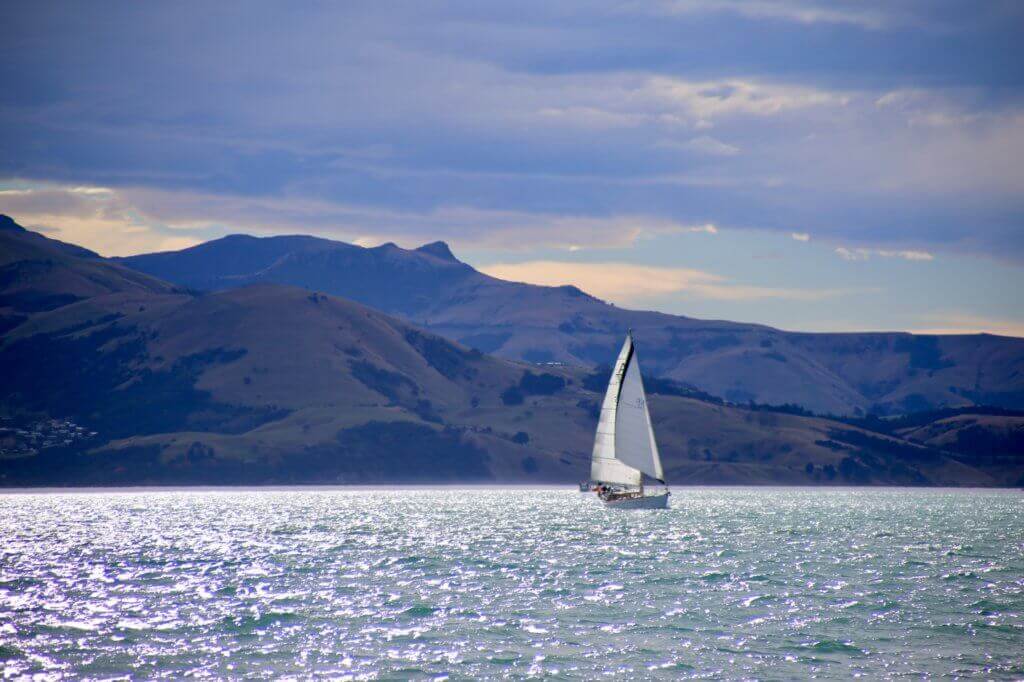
(489, 583)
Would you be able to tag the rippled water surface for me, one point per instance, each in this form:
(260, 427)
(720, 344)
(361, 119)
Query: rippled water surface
(770, 583)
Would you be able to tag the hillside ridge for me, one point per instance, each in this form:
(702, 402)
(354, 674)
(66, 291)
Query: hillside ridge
(838, 373)
(131, 380)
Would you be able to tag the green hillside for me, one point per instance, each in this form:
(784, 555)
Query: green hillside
(123, 379)
(850, 374)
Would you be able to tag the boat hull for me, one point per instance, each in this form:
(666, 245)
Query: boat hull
(643, 502)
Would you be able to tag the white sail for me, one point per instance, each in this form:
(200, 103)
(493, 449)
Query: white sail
(634, 437)
(605, 467)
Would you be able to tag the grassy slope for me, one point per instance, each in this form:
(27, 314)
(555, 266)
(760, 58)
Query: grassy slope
(34, 270)
(276, 384)
(827, 373)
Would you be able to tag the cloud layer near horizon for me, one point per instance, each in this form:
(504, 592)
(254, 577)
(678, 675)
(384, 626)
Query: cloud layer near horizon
(627, 284)
(807, 163)
(873, 126)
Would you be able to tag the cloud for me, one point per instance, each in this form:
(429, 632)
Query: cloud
(465, 226)
(704, 144)
(707, 100)
(134, 220)
(389, 113)
(707, 228)
(643, 101)
(789, 10)
(98, 218)
(591, 117)
(800, 236)
(626, 283)
(864, 254)
(905, 255)
(930, 108)
(956, 322)
(852, 254)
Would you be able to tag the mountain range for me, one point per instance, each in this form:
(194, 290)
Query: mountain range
(118, 372)
(842, 374)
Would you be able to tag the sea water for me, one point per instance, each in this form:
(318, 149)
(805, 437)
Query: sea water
(511, 583)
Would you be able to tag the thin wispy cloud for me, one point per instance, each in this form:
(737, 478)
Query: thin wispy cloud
(708, 100)
(705, 144)
(865, 254)
(959, 322)
(133, 220)
(630, 283)
(706, 228)
(789, 10)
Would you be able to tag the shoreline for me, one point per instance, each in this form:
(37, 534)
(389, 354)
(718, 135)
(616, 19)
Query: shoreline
(412, 487)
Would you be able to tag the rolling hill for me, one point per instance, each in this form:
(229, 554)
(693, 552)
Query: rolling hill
(39, 274)
(854, 373)
(113, 377)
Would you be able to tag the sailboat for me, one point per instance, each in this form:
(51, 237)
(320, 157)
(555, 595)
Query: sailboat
(624, 446)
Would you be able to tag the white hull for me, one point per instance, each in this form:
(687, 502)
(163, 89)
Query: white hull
(643, 502)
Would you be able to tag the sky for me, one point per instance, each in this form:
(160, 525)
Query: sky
(818, 166)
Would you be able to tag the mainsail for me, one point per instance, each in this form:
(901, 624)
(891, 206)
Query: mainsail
(624, 446)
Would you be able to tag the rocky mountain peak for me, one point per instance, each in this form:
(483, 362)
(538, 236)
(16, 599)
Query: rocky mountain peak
(440, 250)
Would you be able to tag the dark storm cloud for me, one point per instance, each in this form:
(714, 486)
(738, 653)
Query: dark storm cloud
(860, 122)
